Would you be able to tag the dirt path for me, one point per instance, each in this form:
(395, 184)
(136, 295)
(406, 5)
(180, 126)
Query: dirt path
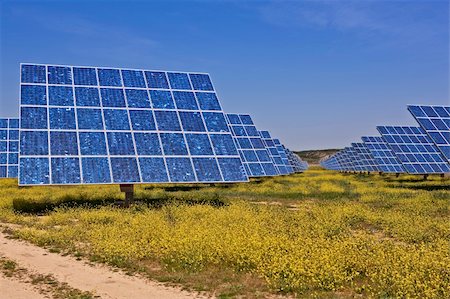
(98, 279)
(14, 289)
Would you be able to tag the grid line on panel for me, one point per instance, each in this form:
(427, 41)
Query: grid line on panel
(131, 127)
(49, 160)
(78, 135)
(215, 165)
(158, 135)
(415, 149)
(184, 135)
(108, 151)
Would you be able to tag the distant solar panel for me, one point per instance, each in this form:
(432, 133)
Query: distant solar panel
(367, 162)
(343, 161)
(92, 125)
(283, 155)
(355, 159)
(273, 152)
(252, 150)
(415, 150)
(9, 147)
(385, 158)
(435, 120)
(297, 164)
(331, 163)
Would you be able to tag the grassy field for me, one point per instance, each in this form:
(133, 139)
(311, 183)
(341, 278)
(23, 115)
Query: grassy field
(318, 234)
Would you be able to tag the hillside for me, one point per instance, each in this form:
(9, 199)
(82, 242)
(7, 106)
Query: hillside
(314, 156)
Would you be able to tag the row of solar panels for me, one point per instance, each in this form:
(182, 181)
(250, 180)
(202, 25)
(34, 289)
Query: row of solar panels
(90, 125)
(415, 150)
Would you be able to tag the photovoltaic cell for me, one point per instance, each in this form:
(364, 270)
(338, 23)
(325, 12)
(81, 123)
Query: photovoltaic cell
(9, 147)
(89, 125)
(252, 150)
(415, 149)
(435, 120)
(384, 157)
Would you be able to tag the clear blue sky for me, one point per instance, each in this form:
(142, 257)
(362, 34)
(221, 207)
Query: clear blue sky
(317, 74)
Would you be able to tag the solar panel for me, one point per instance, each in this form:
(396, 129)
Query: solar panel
(342, 160)
(283, 155)
(252, 150)
(297, 164)
(352, 159)
(93, 125)
(384, 157)
(367, 162)
(355, 159)
(9, 147)
(435, 120)
(415, 150)
(331, 163)
(274, 152)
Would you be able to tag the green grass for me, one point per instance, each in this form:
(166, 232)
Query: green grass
(317, 234)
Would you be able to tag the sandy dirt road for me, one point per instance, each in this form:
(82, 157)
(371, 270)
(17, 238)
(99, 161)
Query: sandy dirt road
(99, 279)
(11, 288)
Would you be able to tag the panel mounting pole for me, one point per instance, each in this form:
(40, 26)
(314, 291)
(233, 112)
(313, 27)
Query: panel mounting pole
(128, 189)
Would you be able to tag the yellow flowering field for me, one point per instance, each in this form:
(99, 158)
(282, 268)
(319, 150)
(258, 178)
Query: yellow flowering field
(318, 234)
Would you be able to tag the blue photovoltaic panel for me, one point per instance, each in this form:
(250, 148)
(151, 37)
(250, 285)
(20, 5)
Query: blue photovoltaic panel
(384, 157)
(283, 155)
(367, 162)
(91, 125)
(297, 164)
(340, 161)
(274, 153)
(9, 147)
(345, 160)
(331, 163)
(415, 149)
(435, 120)
(349, 159)
(254, 154)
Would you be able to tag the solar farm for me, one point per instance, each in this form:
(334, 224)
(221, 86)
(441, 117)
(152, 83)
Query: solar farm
(421, 150)
(214, 202)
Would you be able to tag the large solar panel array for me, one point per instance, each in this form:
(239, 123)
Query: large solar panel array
(90, 125)
(252, 150)
(383, 155)
(415, 149)
(435, 120)
(9, 147)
